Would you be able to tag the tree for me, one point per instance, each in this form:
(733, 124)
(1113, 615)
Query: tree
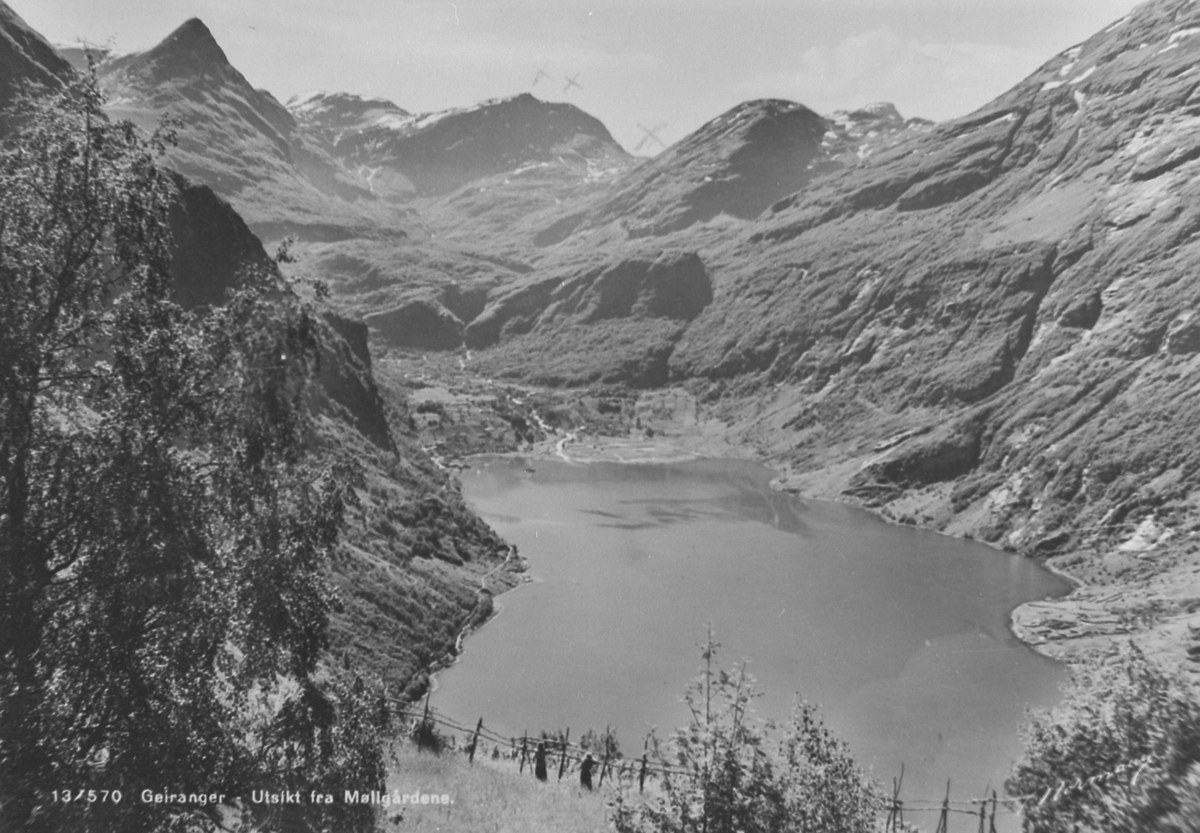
(720, 775)
(824, 789)
(1132, 730)
(163, 531)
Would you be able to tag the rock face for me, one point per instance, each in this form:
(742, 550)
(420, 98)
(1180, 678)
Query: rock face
(215, 252)
(346, 389)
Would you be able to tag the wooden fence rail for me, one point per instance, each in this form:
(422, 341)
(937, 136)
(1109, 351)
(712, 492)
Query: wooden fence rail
(984, 809)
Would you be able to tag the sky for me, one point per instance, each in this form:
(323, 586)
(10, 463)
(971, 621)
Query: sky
(665, 65)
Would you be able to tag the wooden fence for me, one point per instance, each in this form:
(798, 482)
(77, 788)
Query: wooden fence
(570, 755)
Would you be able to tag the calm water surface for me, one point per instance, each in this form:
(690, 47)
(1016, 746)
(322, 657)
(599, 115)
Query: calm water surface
(900, 635)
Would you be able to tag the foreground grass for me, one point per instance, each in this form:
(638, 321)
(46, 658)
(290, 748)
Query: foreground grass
(491, 797)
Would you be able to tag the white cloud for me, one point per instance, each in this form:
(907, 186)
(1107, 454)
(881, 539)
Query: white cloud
(935, 80)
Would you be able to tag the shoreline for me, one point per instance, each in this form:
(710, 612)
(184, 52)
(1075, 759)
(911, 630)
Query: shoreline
(1087, 623)
(1022, 623)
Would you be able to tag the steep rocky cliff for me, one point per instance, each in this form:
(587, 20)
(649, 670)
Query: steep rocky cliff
(214, 253)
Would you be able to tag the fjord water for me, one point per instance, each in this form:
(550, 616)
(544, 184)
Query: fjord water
(900, 635)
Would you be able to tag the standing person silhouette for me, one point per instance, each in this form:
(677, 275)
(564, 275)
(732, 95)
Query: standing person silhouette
(539, 761)
(585, 771)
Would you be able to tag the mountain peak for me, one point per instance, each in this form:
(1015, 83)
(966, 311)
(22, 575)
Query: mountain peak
(189, 50)
(193, 32)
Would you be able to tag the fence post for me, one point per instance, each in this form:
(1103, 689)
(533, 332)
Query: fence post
(944, 820)
(992, 820)
(890, 824)
(896, 813)
(642, 776)
(524, 750)
(474, 741)
(562, 763)
(603, 767)
(983, 814)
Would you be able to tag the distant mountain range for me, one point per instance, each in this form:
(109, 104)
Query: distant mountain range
(329, 166)
(989, 326)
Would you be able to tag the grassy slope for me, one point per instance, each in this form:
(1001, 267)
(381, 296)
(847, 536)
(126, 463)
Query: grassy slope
(491, 795)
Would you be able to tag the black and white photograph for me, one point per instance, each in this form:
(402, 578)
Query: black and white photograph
(599, 416)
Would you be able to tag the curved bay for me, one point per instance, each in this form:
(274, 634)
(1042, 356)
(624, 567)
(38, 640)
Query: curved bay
(901, 635)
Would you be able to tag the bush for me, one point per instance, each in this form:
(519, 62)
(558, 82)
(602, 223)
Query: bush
(719, 775)
(1112, 718)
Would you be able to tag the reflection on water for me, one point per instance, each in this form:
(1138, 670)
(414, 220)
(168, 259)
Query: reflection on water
(901, 635)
